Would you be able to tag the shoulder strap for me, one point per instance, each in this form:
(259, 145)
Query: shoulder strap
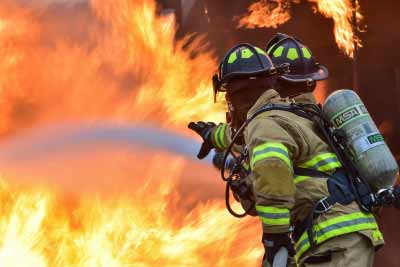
(310, 172)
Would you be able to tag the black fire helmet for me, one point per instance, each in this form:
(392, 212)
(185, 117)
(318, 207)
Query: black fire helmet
(244, 61)
(283, 48)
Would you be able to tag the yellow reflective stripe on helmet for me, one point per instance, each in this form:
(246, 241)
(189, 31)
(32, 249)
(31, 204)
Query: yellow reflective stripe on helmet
(299, 179)
(278, 52)
(219, 136)
(270, 150)
(232, 58)
(323, 162)
(273, 216)
(292, 54)
(260, 51)
(246, 53)
(306, 52)
(337, 226)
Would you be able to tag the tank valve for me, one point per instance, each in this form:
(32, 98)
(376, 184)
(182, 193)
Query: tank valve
(396, 193)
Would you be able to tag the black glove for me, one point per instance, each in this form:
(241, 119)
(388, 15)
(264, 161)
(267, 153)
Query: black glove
(272, 244)
(204, 130)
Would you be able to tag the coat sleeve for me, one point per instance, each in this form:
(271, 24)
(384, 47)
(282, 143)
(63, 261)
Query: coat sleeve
(221, 137)
(272, 149)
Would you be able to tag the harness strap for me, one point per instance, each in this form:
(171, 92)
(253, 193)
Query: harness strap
(310, 172)
(339, 192)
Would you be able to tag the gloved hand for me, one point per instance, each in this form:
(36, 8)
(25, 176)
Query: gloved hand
(204, 130)
(272, 244)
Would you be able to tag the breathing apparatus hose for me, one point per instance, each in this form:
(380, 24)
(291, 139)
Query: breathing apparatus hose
(229, 179)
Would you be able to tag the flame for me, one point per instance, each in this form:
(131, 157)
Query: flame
(40, 227)
(124, 64)
(267, 14)
(341, 11)
(94, 61)
(321, 91)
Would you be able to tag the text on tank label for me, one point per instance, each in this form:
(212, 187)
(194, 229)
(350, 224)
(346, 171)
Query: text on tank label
(348, 115)
(367, 142)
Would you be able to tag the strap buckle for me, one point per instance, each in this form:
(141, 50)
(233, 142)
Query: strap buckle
(322, 206)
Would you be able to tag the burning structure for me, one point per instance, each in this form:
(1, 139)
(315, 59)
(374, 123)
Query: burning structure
(129, 61)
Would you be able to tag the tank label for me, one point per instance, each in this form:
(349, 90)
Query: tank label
(367, 142)
(375, 138)
(348, 115)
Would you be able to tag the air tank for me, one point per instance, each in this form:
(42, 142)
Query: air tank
(370, 154)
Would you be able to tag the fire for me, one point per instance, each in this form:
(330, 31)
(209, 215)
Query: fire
(341, 11)
(39, 228)
(268, 14)
(102, 60)
(273, 13)
(321, 91)
(108, 60)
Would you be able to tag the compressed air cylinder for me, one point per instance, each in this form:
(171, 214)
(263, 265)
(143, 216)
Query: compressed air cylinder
(370, 154)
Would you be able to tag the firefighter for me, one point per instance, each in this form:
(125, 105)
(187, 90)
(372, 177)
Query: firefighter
(324, 234)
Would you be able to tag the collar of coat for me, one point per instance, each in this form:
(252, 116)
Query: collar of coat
(272, 96)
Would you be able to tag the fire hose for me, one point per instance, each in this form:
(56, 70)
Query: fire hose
(281, 258)
(239, 188)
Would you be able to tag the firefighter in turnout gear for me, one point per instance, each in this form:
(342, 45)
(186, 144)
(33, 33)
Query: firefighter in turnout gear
(292, 206)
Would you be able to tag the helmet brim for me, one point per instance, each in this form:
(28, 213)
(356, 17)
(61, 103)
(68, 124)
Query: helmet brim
(238, 75)
(321, 74)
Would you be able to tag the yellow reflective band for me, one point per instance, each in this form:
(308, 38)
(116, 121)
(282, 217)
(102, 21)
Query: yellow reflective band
(292, 54)
(337, 226)
(260, 51)
(271, 209)
(306, 52)
(216, 134)
(377, 235)
(299, 179)
(270, 145)
(232, 58)
(323, 162)
(219, 135)
(246, 53)
(270, 221)
(270, 150)
(330, 166)
(273, 216)
(278, 52)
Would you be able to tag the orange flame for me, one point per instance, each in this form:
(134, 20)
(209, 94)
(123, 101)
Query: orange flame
(113, 59)
(268, 14)
(39, 227)
(274, 13)
(341, 11)
(109, 60)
